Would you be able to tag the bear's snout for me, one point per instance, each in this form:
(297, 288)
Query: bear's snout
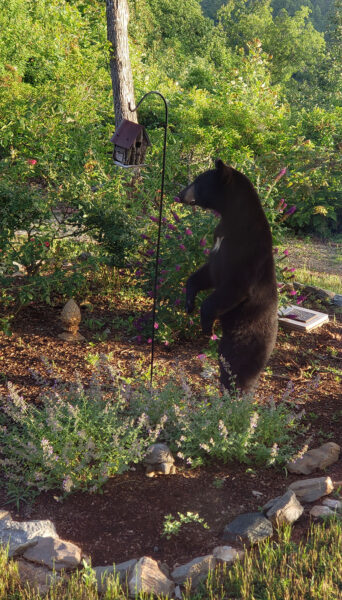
(187, 196)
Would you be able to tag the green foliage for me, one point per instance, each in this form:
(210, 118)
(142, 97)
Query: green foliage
(172, 526)
(75, 440)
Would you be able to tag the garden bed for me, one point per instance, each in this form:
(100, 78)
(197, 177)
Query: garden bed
(126, 520)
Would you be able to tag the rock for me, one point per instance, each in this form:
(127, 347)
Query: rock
(178, 594)
(309, 490)
(122, 571)
(257, 494)
(321, 511)
(21, 536)
(227, 554)
(283, 509)
(147, 577)
(159, 460)
(54, 553)
(317, 458)
(5, 515)
(337, 299)
(38, 578)
(333, 504)
(195, 570)
(248, 527)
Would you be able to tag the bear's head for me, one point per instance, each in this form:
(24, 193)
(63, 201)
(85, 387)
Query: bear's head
(215, 189)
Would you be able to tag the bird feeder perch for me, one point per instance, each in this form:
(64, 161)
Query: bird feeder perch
(130, 144)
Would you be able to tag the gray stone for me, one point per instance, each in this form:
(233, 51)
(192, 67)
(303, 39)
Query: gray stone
(248, 527)
(121, 571)
(337, 299)
(40, 579)
(284, 509)
(309, 490)
(5, 515)
(147, 577)
(21, 536)
(317, 458)
(194, 571)
(54, 553)
(321, 511)
(333, 504)
(227, 554)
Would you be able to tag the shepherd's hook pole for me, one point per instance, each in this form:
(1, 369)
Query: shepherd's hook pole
(159, 221)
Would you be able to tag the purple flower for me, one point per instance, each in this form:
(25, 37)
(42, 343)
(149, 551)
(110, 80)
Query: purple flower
(182, 247)
(281, 174)
(176, 217)
(203, 242)
(275, 250)
(149, 252)
(206, 251)
(170, 226)
(144, 237)
(154, 219)
(167, 236)
(176, 199)
(177, 301)
(301, 299)
(291, 210)
(138, 273)
(139, 339)
(164, 220)
(188, 231)
(177, 267)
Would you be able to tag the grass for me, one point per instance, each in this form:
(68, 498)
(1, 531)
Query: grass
(282, 570)
(327, 281)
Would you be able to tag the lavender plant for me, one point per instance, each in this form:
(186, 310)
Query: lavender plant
(75, 440)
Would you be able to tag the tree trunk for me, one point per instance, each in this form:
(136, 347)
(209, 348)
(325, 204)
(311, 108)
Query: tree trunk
(120, 64)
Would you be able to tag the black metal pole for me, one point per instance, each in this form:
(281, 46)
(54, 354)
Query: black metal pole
(159, 221)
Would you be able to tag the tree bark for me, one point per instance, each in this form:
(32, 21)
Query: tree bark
(120, 64)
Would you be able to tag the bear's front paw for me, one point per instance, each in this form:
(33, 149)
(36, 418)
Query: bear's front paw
(189, 305)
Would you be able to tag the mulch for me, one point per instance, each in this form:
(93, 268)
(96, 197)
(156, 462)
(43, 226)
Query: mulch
(126, 520)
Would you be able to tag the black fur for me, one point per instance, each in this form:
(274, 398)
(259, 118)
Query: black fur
(240, 271)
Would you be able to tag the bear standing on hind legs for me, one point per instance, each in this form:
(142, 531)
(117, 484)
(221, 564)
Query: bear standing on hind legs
(241, 272)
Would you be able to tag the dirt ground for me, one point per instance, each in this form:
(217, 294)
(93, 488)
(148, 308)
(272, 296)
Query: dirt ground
(126, 520)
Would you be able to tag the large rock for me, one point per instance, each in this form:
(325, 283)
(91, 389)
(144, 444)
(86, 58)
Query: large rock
(227, 554)
(39, 579)
(248, 528)
(121, 571)
(20, 536)
(309, 490)
(54, 553)
(194, 571)
(317, 458)
(147, 577)
(283, 509)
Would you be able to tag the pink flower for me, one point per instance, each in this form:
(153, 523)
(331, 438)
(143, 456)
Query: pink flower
(286, 252)
(202, 356)
(31, 161)
(166, 343)
(182, 247)
(188, 231)
(281, 174)
(293, 293)
(177, 267)
(149, 341)
(214, 337)
(203, 242)
(301, 299)
(156, 325)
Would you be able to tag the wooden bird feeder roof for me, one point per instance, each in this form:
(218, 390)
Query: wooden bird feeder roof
(127, 133)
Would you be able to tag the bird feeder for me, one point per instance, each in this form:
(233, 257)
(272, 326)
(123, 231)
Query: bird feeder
(130, 144)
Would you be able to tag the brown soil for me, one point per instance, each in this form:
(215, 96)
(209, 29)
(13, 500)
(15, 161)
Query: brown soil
(126, 520)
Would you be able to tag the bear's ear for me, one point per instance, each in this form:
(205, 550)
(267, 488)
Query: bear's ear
(225, 172)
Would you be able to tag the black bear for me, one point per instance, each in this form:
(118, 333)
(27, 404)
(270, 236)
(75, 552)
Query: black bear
(241, 271)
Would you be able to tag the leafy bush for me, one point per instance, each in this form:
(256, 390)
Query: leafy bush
(76, 439)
